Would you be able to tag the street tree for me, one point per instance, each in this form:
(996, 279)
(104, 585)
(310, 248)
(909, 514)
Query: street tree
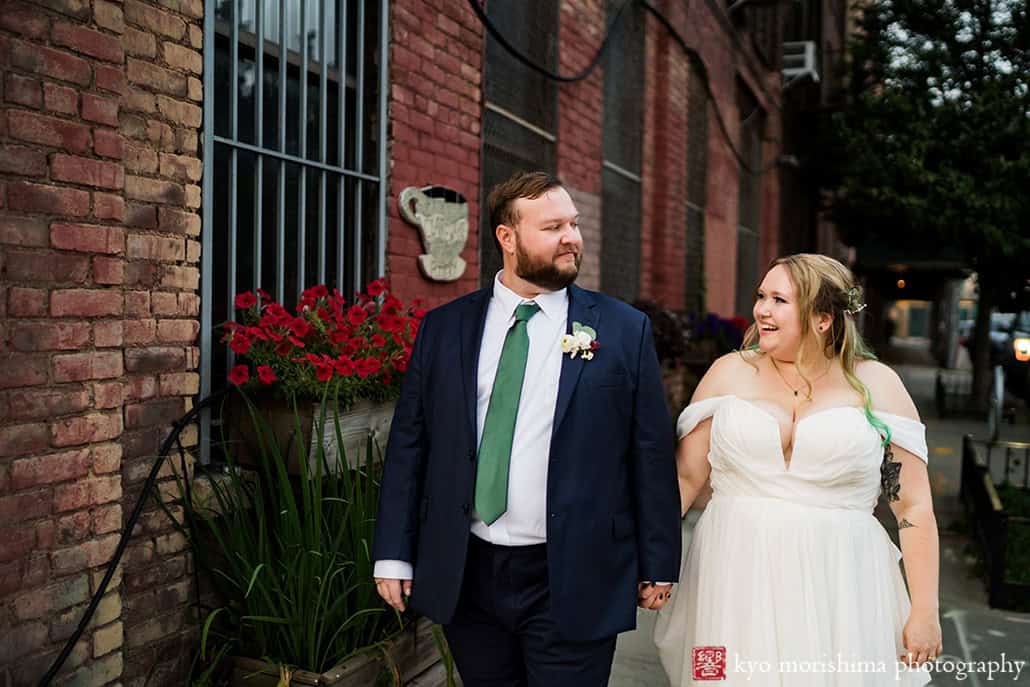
(933, 145)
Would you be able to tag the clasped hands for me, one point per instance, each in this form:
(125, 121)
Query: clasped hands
(396, 592)
(653, 596)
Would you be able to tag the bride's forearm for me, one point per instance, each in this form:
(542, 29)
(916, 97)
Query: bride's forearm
(920, 550)
(689, 491)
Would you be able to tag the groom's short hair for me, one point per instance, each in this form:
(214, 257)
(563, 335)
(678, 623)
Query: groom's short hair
(501, 201)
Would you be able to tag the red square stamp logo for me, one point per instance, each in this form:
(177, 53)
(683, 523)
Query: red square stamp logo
(709, 662)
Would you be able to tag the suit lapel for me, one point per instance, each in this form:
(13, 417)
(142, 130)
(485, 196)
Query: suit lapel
(582, 309)
(473, 320)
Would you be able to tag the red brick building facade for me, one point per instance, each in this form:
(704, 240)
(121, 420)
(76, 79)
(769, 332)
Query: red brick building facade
(103, 228)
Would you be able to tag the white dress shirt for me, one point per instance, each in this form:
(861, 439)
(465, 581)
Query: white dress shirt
(525, 520)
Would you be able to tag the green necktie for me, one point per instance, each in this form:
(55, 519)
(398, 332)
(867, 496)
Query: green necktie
(499, 428)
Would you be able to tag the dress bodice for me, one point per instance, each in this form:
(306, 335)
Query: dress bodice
(835, 459)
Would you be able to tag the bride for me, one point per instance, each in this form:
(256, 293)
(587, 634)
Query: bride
(789, 579)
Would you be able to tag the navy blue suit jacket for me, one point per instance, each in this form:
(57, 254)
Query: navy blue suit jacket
(613, 502)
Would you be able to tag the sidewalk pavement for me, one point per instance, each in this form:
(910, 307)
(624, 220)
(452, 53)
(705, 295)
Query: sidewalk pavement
(973, 632)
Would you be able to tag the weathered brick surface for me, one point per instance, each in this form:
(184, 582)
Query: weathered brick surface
(98, 134)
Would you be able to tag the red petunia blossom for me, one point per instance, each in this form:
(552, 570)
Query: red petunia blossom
(377, 341)
(315, 292)
(295, 341)
(377, 287)
(344, 366)
(323, 314)
(283, 349)
(239, 374)
(392, 305)
(368, 367)
(264, 295)
(388, 323)
(300, 327)
(266, 374)
(240, 343)
(323, 372)
(401, 365)
(245, 300)
(356, 314)
(418, 313)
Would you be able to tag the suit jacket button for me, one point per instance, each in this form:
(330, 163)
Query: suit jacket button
(465, 508)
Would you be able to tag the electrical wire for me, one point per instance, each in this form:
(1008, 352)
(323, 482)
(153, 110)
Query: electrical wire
(525, 60)
(664, 21)
(123, 542)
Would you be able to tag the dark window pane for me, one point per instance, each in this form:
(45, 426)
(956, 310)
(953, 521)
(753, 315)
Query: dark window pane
(697, 138)
(624, 88)
(694, 277)
(532, 27)
(507, 148)
(620, 242)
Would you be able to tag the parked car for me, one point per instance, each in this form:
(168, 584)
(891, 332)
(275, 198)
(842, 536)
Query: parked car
(1014, 355)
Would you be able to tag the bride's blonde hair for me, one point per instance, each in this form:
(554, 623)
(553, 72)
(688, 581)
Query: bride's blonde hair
(823, 285)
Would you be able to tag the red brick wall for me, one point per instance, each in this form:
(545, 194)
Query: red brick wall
(436, 65)
(98, 249)
(664, 220)
(728, 56)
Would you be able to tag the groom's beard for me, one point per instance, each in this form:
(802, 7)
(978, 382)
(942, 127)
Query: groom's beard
(545, 274)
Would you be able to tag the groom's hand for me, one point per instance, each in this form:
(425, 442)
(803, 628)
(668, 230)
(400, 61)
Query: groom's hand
(653, 596)
(394, 592)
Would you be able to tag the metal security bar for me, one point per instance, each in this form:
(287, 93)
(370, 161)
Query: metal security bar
(295, 161)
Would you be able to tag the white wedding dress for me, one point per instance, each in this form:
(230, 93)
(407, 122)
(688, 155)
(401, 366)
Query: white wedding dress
(788, 571)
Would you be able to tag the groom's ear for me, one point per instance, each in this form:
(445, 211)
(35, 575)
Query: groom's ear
(506, 238)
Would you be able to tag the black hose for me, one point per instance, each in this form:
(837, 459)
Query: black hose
(173, 437)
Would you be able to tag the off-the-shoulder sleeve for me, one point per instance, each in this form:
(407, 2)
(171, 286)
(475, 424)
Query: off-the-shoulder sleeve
(907, 433)
(695, 413)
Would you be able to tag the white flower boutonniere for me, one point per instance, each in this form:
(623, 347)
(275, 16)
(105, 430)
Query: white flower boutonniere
(582, 342)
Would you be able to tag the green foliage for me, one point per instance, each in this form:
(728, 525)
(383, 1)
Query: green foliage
(290, 558)
(931, 148)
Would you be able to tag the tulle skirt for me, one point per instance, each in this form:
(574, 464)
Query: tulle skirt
(774, 593)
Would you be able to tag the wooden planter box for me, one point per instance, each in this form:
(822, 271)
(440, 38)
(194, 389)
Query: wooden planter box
(414, 653)
(356, 424)
(992, 525)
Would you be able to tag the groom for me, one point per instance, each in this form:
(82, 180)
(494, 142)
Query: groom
(530, 487)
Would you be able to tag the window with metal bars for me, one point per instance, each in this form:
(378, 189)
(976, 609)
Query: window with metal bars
(621, 144)
(749, 200)
(697, 179)
(294, 155)
(520, 120)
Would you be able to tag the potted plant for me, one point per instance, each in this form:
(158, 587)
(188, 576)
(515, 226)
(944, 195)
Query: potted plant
(359, 352)
(287, 563)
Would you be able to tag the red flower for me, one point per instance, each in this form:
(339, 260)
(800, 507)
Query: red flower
(245, 300)
(344, 366)
(356, 314)
(283, 349)
(315, 292)
(323, 371)
(266, 374)
(401, 365)
(300, 327)
(239, 374)
(388, 323)
(368, 367)
(418, 313)
(378, 341)
(240, 343)
(377, 287)
(264, 295)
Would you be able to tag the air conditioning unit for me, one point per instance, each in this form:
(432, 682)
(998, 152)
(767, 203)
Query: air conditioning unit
(799, 60)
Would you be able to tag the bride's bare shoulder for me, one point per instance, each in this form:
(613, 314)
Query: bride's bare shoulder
(726, 374)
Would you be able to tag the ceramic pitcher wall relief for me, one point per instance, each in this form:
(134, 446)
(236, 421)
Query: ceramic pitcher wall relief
(442, 218)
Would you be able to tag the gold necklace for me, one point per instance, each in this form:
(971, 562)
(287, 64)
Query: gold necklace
(780, 373)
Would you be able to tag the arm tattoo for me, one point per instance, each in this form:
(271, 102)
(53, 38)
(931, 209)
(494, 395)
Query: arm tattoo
(904, 524)
(890, 475)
